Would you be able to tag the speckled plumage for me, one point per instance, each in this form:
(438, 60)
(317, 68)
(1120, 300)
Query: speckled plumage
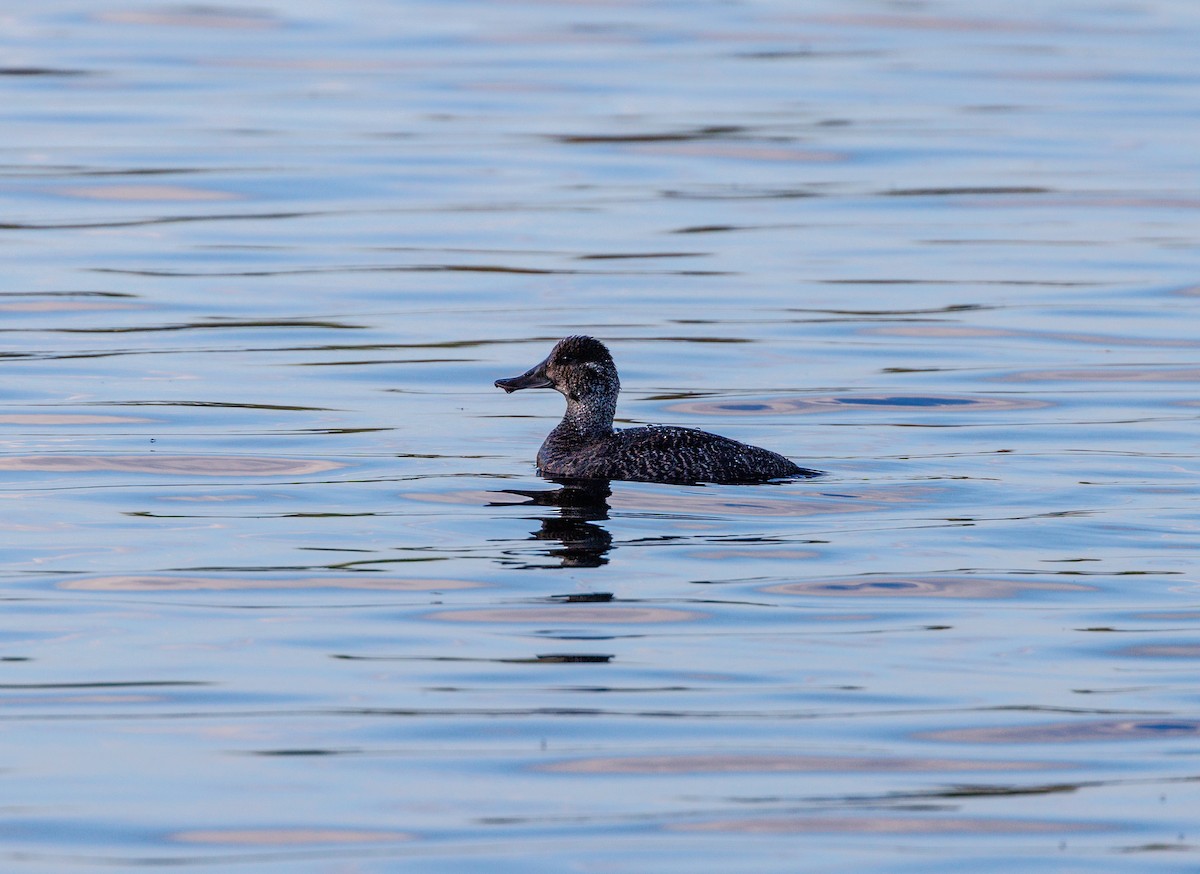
(585, 445)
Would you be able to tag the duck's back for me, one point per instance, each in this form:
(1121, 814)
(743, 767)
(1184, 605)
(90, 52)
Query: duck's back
(668, 454)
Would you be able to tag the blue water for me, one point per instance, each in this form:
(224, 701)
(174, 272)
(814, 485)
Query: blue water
(284, 592)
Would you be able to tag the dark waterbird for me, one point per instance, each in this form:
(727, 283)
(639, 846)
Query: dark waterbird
(584, 444)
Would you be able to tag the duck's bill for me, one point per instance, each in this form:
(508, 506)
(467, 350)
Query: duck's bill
(534, 377)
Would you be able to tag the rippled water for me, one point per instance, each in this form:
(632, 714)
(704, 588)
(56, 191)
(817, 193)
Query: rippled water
(283, 590)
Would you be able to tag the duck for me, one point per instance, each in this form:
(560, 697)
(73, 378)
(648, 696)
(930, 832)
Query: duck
(585, 445)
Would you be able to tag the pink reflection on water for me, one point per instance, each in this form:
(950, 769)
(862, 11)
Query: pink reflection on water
(203, 465)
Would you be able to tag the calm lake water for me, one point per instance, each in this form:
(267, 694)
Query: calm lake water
(284, 592)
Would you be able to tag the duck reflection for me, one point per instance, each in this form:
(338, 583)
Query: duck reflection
(576, 506)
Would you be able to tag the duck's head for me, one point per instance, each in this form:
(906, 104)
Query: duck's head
(578, 367)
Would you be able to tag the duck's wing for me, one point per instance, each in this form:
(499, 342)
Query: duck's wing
(661, 453)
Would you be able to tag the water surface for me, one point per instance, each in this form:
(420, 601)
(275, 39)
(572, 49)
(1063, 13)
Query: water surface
(284, 592)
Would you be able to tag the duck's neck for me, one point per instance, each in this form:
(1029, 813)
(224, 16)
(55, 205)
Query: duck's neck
(587, 419)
